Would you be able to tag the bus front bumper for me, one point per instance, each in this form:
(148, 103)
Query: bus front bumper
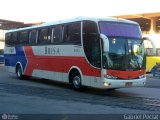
(118, 83)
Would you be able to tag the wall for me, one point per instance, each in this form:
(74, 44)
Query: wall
(2, 37)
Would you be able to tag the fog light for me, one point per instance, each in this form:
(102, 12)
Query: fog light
(106, 84)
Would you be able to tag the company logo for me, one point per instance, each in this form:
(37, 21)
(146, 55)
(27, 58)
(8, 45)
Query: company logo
(129, 76)
(52, 51)
(9, 117)
(4, 116)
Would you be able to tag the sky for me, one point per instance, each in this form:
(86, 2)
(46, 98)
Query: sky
(52, 10)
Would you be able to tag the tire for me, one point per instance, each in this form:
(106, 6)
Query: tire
(19, 72)
(112, 89)
(76, 82)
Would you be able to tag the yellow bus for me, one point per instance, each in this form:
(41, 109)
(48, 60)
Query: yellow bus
(152, 48)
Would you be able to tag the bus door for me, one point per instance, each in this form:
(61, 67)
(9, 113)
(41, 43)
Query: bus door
(91, 44)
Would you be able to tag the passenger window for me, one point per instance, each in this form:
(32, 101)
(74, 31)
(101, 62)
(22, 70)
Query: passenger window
(14, 38)
(43, 36)
(33, 37)
(23, 37)
(56, 34)
(72, 33)
(91, 43)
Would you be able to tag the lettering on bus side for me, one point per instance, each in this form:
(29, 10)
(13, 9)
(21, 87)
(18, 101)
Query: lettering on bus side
(52, 51)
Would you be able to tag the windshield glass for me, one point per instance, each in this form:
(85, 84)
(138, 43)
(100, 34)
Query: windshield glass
(120, 29)
(125, 50)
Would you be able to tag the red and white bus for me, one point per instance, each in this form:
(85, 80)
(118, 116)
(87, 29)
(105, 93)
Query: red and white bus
(97, 52)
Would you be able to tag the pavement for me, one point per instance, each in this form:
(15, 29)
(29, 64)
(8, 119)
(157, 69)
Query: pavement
(39, 96)
(152, 82)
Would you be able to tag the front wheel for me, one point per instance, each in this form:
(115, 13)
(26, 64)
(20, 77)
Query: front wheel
(19, 72)
(76, 82)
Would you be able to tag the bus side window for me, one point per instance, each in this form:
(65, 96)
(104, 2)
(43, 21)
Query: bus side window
(8, 38)
(72, 33)
(14, 38)
(23, 37)
(56, 34)
(158, 51)
(33, 37)
(148, 48)
(43, 36)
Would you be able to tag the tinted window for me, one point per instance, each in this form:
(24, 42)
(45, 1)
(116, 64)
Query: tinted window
(24, 37)
(113, 29)
(14, 38)
(43, 36)
(8, 38)
(56, 34)
(72, 33)
(33, 37)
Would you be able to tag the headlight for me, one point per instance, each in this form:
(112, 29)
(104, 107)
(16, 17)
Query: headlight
(106, 84)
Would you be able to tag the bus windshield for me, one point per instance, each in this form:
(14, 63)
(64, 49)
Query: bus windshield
(125, 49)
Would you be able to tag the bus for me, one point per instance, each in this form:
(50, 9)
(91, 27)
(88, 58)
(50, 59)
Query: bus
(105, 53)
(152, 48)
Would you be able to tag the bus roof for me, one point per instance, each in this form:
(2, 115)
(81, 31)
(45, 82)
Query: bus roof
(96, 19)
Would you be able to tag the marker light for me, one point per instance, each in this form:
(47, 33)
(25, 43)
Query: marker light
(110, 77)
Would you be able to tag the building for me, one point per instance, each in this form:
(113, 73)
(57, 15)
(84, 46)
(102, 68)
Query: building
(149, 22)
(8, 25)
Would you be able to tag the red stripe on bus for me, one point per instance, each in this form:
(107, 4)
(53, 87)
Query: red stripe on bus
(64, 63)
(126, 74)
(57, 64)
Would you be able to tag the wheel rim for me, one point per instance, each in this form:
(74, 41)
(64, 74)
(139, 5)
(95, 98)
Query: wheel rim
(19, 72)
(77, 81)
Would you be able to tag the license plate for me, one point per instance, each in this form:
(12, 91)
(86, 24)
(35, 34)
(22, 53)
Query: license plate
(128, 84)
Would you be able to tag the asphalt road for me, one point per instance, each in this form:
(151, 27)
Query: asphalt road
(40, 96)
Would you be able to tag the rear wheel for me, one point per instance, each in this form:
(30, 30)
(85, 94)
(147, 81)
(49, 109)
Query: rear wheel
(76, 82)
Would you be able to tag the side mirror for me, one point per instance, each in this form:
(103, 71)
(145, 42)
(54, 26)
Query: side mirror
(105, 42)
